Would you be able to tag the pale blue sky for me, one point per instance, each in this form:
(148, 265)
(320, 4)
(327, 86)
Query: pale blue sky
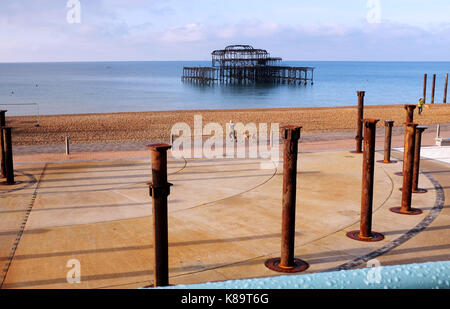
(189, 30)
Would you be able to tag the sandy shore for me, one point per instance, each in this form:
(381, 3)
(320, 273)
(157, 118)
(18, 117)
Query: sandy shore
(155, 126)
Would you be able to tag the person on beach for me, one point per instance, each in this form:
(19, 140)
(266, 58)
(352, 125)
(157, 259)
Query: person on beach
(420, 105)
(232, 132)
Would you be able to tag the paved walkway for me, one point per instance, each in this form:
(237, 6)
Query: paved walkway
(440, 154)
(224, 218)
(429, 242)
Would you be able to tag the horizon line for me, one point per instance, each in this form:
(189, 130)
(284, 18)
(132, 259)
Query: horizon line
(92, 61)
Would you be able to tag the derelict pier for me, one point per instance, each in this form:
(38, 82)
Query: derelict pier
(243, 64)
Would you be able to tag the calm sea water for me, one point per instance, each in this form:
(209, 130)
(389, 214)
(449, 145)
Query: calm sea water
(100, 87)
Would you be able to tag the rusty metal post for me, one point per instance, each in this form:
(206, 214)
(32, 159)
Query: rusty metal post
(2, 153)
(417, 147)
(409, 112)
(408, 165)
(388, 142)
(433, 89)
(7, 144)
(287, 263)
(359, 126)
(445, 88)
(425, 88)
(159, 191)
(365, 233)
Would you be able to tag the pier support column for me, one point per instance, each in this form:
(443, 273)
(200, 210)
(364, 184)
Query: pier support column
(425, 76)
(365, 233)
(408, 166)
(2, 153)
(445, 88)
(9, 164)
(416, 170)
(409, 112)
(433, 89)
(388, 142)
(287, 263)
(359, 131)
(159, 191)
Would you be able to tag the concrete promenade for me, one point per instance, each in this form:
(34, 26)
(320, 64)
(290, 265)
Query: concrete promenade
(224, 217)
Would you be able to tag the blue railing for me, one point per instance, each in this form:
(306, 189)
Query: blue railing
(435, 275)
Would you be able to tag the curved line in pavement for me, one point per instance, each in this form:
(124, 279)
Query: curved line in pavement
(184, 166)
(231, 196)
(31, 180)
(438, 206)
(435, 211)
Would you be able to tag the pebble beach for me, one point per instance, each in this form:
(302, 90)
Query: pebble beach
(156, 126)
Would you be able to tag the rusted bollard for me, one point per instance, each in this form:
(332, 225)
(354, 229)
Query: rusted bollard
(287, 263)
(409, 119)
(359, 131)
(408, 165)
(433, 89)
(409, 113)
(416, 170)
(388, 142)
(445, 88)
(365, 233)
(425, 88)
(9, 165)
(2, 153)
(159, 191)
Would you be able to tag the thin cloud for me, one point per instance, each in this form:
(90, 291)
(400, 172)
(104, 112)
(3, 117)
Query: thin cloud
(187, 33)
(115, 30)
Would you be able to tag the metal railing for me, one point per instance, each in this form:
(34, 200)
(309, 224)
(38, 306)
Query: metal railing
(37, 113)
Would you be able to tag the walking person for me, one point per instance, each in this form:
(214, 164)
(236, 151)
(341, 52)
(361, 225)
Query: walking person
(232, 132)
(420, 105)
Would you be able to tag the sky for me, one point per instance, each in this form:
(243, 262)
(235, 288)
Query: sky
(146, 30)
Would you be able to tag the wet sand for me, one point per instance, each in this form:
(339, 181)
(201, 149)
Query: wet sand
(156, 126)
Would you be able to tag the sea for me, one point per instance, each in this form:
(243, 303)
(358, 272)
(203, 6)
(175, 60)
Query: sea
(108, 87)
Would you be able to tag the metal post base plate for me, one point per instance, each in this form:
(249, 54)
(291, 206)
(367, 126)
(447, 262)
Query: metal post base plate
(418, 191)
(152, 286)
(412, 212)
(274, 264)
(10, 184)
(356, 235)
